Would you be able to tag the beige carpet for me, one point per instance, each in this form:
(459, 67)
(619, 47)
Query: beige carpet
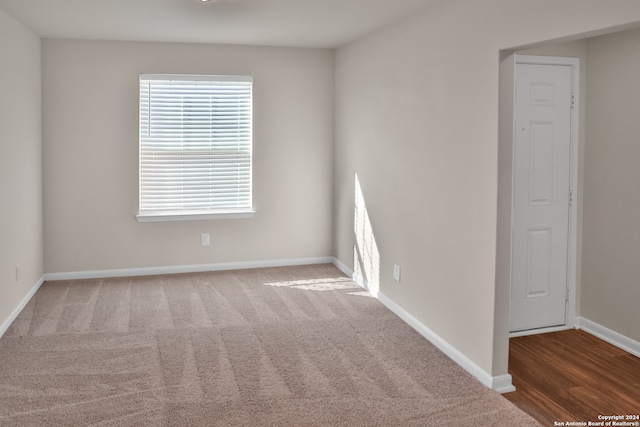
(298, 346)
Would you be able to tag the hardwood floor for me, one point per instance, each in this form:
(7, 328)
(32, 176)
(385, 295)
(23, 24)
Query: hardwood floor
(573, 376)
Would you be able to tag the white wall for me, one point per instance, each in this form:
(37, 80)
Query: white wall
(417, 121)
(90, 113)
(611, 267)
(20, 164)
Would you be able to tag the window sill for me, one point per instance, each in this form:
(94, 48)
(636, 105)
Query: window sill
(193, 216)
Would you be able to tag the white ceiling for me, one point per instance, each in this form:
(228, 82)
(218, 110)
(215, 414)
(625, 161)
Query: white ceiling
(304, 23)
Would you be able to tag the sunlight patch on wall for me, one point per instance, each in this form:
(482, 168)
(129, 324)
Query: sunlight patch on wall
(366, 257)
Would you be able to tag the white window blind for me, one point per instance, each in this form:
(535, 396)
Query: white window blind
(195, 145)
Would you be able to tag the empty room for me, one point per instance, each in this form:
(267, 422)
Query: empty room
(295, 212)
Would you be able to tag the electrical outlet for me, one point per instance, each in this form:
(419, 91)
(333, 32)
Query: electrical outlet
(18, 273)
(204, 239)
(396, 272)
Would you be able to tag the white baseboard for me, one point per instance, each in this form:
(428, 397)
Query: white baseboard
(612, 337)
(342, 266)
(9, 320)
(501, 383)
(198, 268)
(360, 281)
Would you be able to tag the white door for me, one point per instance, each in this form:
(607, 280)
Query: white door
(541, 196)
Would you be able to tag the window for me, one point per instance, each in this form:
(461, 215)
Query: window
(195, 147)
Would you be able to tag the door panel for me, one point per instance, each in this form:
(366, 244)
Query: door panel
(541, 164)
(542, 157)
(539, 248)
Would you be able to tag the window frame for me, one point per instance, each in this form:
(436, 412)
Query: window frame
(229, 212)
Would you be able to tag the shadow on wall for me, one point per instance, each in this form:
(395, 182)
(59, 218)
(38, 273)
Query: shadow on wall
(366, 257)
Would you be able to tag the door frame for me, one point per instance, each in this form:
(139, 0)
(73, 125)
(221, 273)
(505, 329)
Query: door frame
(570, 307)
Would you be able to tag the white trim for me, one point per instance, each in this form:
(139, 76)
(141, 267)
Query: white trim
(196, 77)
(500, 383)
(360, 281)
(187, 216)
(503, 384)
(612, 337)
(342, 267)
(198, 268)
(12, 317)
(574, 63)
(546, 60)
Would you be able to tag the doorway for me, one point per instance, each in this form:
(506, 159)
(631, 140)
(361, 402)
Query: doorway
(543, 201)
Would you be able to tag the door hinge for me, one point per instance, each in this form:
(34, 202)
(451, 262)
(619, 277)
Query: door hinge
(570, 197)
(573, 100)
(567, 295)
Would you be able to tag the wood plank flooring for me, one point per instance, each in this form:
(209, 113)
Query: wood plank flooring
(572, 376)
